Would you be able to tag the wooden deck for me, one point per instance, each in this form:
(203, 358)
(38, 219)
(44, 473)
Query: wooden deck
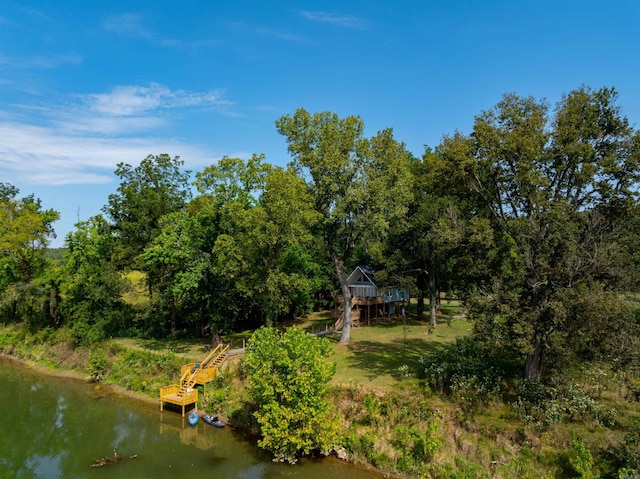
(193, 374)
(179, 396)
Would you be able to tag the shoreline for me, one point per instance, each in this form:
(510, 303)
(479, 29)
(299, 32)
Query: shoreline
(78, 376)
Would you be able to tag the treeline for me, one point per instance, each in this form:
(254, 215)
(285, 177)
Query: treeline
(532, 219)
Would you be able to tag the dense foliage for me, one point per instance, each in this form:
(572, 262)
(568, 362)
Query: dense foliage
(289, 379)
(532, 219)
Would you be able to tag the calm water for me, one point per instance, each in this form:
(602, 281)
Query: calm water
(56, 428)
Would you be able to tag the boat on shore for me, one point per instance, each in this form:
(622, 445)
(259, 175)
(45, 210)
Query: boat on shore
(212, 420)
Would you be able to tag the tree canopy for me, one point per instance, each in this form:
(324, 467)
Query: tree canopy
(558, 190)
(532, 218)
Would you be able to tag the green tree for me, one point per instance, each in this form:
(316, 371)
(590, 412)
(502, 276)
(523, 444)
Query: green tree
(176, 266)
(257, 218)
(25, 228)
(360, 186)
(558, 190)
(289, 383)
(293, 273)
(147, 192)
(91, 284)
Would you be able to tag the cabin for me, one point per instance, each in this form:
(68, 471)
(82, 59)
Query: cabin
(367, 300)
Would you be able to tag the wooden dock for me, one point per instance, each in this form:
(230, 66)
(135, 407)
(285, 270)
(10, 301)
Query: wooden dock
(193, 374)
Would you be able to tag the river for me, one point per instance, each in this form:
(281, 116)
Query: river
(54, 427)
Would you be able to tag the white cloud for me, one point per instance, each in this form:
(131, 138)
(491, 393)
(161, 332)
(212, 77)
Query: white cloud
(81, 143)
(41, 155)
(346, 21)
(133, 100)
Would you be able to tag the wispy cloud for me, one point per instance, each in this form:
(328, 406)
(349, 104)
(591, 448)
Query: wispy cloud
(130, 25)
(41, 61)
(133, 100)
(282, 35)
(127, 25)
(345, 21)
(268, 32)
(82, 139)
(42, 155)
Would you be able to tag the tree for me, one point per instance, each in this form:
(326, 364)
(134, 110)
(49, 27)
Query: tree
(293, 274)
(154, 188)
(360, 186)
(558, 190)
(289, 383)
(91, 284)
(25, 229)
(257, 219)
(176, 265)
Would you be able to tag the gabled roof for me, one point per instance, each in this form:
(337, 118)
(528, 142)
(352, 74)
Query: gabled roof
(365, 271)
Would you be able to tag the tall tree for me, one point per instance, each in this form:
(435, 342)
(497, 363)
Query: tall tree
(557, 189)
(359, 186)
(176, 265)
(157, 186)
(92, 286)
(259, 221)
(25, 230)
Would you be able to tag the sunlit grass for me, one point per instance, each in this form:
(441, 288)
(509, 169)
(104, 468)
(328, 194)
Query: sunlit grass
(386, 353)
(139, 293)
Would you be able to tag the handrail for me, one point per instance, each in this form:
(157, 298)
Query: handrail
(218, 351)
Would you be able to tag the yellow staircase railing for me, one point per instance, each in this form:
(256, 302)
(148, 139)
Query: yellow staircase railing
(185, 393)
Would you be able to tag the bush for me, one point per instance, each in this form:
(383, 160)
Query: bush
(288, 382)
(461, 371)
(581, 460)
(97, 364)
(545, 406)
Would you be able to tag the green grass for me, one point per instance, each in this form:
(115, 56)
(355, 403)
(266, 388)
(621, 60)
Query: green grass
(191, 350)
(376, 353)
(378, 356)
(138, 293)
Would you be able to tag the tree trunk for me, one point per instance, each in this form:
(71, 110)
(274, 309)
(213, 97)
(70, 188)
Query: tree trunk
(432, 304)
(420, 305)
(421, 283)
(432, 291)
(533, 365)
(173, 320)
(346, 294)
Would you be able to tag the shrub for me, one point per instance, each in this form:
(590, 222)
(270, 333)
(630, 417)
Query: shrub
(288, 382)
(581, 460)
(461, 371)
(545, 406)
(97, 364)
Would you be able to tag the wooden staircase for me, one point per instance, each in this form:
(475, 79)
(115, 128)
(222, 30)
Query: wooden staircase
(185, 393)
(339, 312)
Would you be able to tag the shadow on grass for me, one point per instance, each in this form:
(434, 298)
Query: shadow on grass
(375, 358)
(178, 347)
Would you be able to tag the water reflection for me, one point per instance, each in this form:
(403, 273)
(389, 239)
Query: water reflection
(56, 428)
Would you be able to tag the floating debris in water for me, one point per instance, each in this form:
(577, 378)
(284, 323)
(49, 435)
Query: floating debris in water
(108, 460)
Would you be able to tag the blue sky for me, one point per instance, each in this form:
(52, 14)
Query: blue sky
(87, 84)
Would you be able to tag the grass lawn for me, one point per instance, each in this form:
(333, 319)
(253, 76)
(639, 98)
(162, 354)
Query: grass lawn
(383, 354)
(377, 353)
(378, 356)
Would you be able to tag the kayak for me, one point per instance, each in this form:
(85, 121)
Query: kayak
(212, 420)
(193, 418)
